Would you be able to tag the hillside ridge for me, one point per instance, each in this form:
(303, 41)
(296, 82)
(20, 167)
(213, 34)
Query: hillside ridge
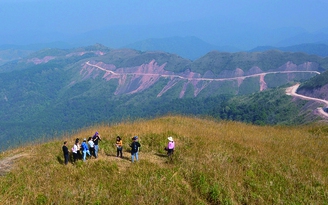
(214, 162)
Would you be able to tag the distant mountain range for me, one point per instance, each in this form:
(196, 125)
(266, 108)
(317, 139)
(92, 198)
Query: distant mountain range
(309, 48)
(220, 31)
(190, 48)
(191, 40)
(186, 47)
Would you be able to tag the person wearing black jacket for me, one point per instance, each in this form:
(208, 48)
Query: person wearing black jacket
(66, 152)
(96, 138)
(135, 148)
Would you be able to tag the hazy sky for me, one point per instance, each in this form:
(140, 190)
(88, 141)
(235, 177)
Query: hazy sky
(77, 16)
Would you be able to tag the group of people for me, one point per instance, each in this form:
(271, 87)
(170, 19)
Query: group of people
(90, 147)
(80, 151)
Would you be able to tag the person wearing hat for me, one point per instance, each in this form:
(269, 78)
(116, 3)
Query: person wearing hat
(96, 138)
(85, 149)
(170, 146)
(135, 148)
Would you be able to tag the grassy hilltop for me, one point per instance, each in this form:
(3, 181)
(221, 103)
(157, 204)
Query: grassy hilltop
(214, 163)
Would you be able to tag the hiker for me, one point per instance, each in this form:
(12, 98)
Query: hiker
(85, 149)
(119, 147)
(75, 150)
(96, 138)
(170, 146)
(91, 146)
(135, 148)
(78, 148)
(66, 152)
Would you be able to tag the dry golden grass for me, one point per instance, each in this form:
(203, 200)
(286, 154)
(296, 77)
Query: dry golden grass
(214, 163)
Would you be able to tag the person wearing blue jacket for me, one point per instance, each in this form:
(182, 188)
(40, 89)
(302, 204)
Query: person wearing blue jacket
(85, 149)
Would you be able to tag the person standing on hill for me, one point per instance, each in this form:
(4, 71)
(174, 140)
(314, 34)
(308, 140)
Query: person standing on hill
(135, 148)
(96, 138)
(78, 148)
(66, 152)
(85, 149)
(74, 150)
(119, 147)
(170, 147)
(91, 146)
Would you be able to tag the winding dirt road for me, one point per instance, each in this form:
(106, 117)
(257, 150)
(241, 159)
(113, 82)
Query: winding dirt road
(292, 92)
(204, 79)
(289, 91)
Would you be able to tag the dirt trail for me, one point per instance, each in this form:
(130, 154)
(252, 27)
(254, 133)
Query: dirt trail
(125, 162)
(7, 163)
(292, 92)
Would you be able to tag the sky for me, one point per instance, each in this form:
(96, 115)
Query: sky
(70, 17)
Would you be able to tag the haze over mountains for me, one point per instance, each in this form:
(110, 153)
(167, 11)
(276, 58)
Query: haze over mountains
(200, 36)
(175, 27)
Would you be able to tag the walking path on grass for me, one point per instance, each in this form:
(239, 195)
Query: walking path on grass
(7, 163)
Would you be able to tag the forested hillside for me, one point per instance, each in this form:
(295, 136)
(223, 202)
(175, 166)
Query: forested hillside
(56, 90)
(270, 107)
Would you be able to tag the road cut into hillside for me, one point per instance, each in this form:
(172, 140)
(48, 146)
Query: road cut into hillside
(292, 92)
(200, 79)
(149, 74)
(289, 91)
